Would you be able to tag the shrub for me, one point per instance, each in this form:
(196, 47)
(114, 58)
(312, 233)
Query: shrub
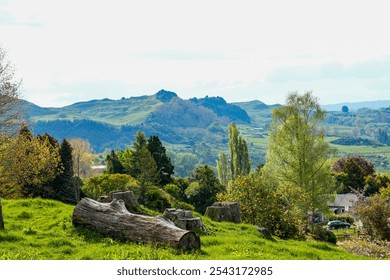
(322, 234)
(106, 183)
(173, 190)
(158, 199)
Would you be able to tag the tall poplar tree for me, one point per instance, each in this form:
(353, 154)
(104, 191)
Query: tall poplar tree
(223, 169)
(298, 154)
(239, 153)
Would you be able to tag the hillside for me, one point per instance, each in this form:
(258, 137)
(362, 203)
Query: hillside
(39, 229)
(198, 126)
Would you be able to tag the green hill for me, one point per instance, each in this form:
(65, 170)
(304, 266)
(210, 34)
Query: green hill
(39, 229)
(199, 125)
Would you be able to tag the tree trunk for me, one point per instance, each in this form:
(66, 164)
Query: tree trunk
(1, 216)
(113, 219)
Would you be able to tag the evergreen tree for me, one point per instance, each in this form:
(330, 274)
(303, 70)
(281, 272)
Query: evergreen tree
(148, 172)
(298, 154)
(203, 189)
(163, 162)
(63, 183)
(113, 165)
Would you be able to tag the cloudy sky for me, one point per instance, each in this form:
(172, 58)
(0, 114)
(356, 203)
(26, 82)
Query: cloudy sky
(75, 50)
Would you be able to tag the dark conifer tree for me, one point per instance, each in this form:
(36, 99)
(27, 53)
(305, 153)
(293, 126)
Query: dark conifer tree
(163, 162)
(63, 183)
(114, 166)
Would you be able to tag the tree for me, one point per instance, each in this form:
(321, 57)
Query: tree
(82, 158)
(374, 212)
(261, 205)
(81, 154)
(204, 188)
(239, 154)
(351, 172)
(10, 109)
(345, 109)
(223, 169)
(163, 162)
(64, 182)
(298, 154)
(113, 164)
(31, 164)
(148, 173)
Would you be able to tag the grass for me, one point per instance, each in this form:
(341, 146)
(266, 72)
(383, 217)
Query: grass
(39, 229)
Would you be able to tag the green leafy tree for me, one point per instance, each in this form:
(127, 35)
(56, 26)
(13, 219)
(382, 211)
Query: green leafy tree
(163, 162)
(261, 203)
(374, 212)
(345, 109)
(298, 154)
(224, 173)
(33, 163)
(239, 154)
(351, 172)
(10, 110)
(203, 190)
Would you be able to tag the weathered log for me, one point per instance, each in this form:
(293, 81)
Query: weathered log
(113, 219)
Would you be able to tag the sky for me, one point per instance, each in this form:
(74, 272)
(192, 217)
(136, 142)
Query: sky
(78, 50)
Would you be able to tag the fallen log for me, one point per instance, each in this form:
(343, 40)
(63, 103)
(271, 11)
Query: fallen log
(113, 219)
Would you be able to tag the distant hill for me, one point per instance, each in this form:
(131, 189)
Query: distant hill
(198, 126)
(108, 123)
(354, 106)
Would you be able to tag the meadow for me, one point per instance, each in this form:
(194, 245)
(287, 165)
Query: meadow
(41, 229)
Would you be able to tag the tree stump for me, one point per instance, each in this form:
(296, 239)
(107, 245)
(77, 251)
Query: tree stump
(184, 219)
(128, 197)
(113, 219)
(224, 212)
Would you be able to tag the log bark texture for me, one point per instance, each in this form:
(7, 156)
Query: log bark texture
(113, 219)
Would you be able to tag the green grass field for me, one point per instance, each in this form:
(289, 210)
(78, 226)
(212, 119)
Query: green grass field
(39, 229)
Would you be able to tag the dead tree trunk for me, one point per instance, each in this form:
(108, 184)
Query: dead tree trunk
(113, 219)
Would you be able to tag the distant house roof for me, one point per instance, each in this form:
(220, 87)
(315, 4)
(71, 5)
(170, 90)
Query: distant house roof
(344, 200)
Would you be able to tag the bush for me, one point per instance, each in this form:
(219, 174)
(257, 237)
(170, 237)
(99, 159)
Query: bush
(322, 234)
(158, 199)
(173, 190)
(106, 183)
(184, 205)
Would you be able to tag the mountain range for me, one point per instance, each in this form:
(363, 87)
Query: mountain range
(197, 125)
